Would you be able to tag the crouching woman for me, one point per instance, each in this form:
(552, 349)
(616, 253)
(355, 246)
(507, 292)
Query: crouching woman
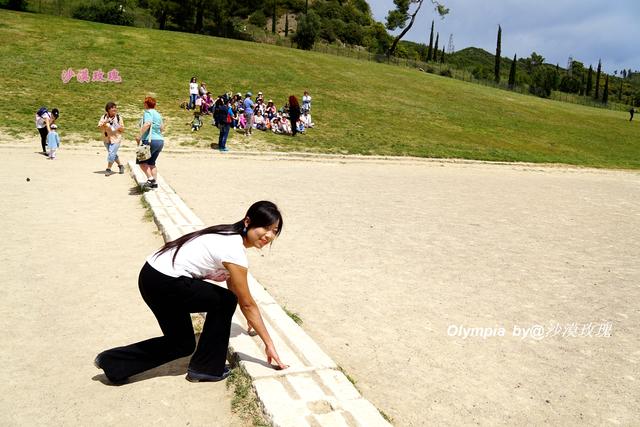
(172, 284)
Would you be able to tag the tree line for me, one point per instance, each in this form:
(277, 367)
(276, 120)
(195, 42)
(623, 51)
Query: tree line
(575, 79)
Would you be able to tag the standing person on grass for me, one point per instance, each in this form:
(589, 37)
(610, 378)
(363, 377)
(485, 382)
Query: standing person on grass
(306, 102)
(223, 117)
(248, 113)
(151, 134)
(172, 284)
(193, 92)
(294, 114)
(112, 126)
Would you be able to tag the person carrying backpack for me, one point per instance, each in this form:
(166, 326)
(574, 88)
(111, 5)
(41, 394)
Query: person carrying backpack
(112, 127)
(223, 115)
(44, 120)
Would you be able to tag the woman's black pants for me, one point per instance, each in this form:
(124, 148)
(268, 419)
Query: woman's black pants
(43, 138)
(172, 299)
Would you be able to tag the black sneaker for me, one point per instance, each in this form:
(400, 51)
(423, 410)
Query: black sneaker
(121, 167)
(97, 362)
(198, 377)
(108, 172)
(150, 185)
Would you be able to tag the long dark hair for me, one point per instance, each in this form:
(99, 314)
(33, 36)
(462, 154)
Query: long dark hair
(260, 214)
(293, 102)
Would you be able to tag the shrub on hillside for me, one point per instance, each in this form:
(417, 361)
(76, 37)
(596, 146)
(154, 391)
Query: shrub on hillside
(353, 34)
(258, 19)
(107, 13)
(481, 73)
(570, 84)
(327, 31)
(542, 81)
(308, 30)
(379, 39)
(446, 73)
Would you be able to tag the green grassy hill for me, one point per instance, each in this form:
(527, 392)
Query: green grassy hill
(359, 107)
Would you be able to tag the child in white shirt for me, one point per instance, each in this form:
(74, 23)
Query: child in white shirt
(53, 141)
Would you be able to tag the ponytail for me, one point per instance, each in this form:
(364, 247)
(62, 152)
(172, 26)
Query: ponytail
(224, 229)
(260, 214)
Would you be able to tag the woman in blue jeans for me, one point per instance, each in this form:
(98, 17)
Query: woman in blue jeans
(222, 111)
(172, 283)
(151, 133)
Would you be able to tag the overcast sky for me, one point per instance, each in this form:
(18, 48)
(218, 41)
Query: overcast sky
(556, 29)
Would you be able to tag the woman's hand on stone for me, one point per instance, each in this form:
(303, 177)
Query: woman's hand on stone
(273, 358)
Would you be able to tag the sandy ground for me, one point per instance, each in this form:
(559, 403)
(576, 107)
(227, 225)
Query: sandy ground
(74, 242)
(391, 263)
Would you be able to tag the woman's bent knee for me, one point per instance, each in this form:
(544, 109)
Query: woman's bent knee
(186, 347)
(229, 301)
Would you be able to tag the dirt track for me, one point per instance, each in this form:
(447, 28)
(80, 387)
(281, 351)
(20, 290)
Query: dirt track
(74, 242)
(391, 263)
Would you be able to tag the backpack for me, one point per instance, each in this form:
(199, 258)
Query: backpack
(42, 111)
(221, 114)
(105, 116)
(117, 121)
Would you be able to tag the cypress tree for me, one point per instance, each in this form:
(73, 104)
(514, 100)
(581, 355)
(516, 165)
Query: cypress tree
(589, 81)
(429, 52)
(605, 94)
(442, 56)
(598, 72)
(512, 73)
(620, 91)
(286, 25)
(435, 47)
(498, 48)
(556, 77)
(306, 7)
(273, 18)
(582, 90)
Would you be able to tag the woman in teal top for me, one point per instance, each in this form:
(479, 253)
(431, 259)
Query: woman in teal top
(151, 133)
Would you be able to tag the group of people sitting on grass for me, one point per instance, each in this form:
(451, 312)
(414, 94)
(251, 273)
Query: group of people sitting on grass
(245, 114)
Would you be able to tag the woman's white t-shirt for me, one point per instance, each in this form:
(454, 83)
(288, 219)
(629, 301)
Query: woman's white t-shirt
(202, 257)
(193, 88)
(41, 121)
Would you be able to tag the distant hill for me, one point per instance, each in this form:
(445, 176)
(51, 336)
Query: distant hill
(472, 57)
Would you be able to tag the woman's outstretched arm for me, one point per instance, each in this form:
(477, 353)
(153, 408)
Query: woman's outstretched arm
(238, 284)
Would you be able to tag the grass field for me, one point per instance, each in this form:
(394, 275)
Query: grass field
(359, 107)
